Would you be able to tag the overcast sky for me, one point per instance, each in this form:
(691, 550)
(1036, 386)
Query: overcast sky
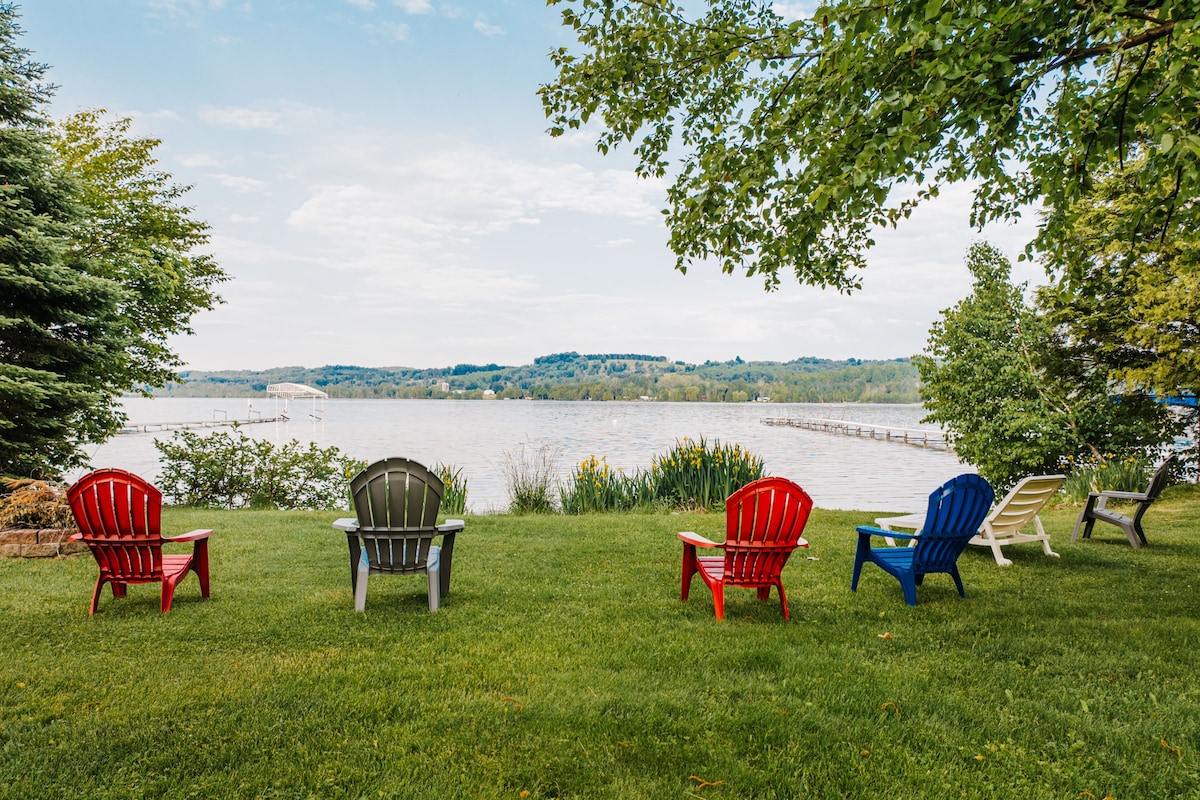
(382, 192)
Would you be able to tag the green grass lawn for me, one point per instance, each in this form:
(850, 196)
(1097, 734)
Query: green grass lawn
(562, 664)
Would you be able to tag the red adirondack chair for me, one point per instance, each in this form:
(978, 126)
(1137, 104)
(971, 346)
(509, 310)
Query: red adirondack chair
(763, 523)
(118, 517)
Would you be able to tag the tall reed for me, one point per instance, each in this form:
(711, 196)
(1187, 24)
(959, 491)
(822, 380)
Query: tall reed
(454, 494)
(695, 474)
(1129, 474)
(530, 479)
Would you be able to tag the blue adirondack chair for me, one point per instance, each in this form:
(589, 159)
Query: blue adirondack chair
(955, 513)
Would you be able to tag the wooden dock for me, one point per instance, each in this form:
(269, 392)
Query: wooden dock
(159, 427)
(911, 436)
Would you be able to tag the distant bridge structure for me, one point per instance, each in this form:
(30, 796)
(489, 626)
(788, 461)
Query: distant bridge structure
(864, 430)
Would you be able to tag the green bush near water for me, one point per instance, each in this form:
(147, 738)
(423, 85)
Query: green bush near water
(228, 469)
(563, 664)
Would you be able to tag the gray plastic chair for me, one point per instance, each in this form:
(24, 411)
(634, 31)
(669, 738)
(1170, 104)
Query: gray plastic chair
(1096, 509)
(396, 502)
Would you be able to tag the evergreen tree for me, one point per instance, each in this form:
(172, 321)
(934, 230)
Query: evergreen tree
(59, 324)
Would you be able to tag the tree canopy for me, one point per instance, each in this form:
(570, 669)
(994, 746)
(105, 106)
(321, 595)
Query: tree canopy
(1018, 399)
(96, 271)
(134, 230)
(790, 140)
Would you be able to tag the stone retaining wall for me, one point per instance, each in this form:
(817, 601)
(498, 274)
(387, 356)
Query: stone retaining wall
(44, 543)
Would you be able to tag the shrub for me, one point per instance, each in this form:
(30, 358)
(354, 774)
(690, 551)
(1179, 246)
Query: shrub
(454, 497)
(529, 478)
(594, 486)
(697, 475)
(31, 503)
(691, 475)
(231, 470)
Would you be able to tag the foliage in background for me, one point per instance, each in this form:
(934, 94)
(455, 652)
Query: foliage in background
(691, 475)
(572, 376)
(790, 139)
(454, 494)
(595, 486)
(96, 271)
(1012, 399)
(135, 230)
(696, 474)
(29, 503)
(529, 475)
(1129, 474)
(231, 470)
(1125, 290)
(61, 334)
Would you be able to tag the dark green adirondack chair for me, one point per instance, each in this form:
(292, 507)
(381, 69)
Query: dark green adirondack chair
(396, 502)
(1096, 507)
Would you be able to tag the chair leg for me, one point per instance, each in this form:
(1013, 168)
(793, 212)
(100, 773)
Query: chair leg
(688, 571)
(861, 551)
(447, 553)
(782, 598)
(1085, 516)
(96, 594)
(957, 581)
(355, 550)
(718, 593)
(1132, 536)
(998, 554)
(360, 582)
(200, 565)
(908, 585)
(435, 590)
(168, 593)
(433, 572)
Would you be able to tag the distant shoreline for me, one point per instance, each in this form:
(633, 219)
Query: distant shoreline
(570, 376)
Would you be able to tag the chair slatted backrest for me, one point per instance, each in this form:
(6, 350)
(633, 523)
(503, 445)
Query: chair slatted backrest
(956, 510)
(1158, 481)
(1024, 502)
(119, 514)
(763, 523)
(397, 501)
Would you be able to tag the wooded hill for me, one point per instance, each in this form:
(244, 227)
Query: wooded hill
(571, 376)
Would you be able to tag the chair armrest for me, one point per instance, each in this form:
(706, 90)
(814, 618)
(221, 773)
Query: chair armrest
(916, 521)
(868, 530)
(1139, 496)
(75, 537)
(191, 536)
(449, 526)
(347, 524)
(699, 541)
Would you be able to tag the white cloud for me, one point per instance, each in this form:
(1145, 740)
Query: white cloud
(414, 6)
(490, 31)
(366, 5)
(241, 118)
(240, 183)
(454, 196)
(397, 32)
(201, 160)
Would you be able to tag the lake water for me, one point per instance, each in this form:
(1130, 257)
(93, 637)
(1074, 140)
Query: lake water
(838, 471)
